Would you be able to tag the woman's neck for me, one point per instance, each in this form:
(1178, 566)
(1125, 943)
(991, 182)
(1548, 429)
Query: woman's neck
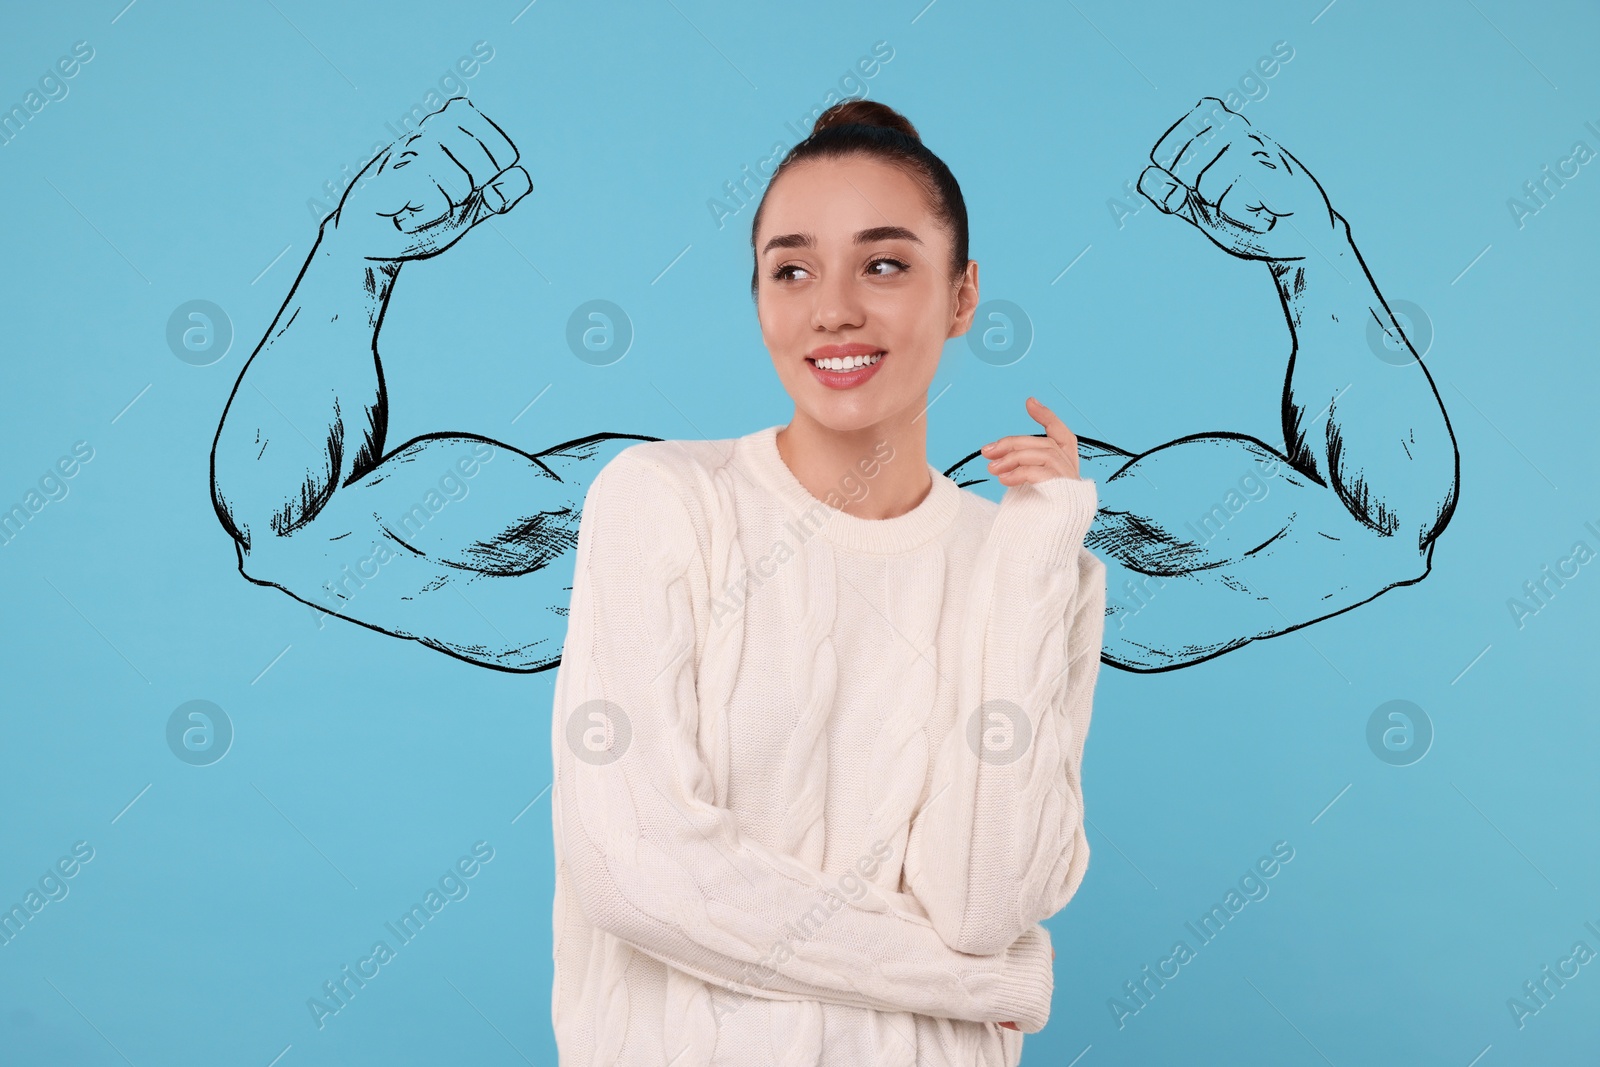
(880, 471)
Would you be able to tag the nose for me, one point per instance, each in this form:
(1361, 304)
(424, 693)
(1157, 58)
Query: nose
(836, 303)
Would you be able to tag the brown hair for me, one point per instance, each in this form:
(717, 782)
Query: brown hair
(866, 127)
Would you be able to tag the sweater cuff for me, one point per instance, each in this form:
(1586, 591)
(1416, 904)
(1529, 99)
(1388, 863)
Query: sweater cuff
(1047, 521)
(1024, 988)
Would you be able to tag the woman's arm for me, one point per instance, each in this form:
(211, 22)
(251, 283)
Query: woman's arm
(656, 863)
(999, 845)
(452, 540)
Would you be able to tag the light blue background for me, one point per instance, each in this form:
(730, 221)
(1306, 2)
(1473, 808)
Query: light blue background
(182, 161)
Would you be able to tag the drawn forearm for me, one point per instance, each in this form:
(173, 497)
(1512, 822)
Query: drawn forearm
(308, 412)
(1370, 428)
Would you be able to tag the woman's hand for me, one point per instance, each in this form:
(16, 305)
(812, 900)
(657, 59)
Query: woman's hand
(1020, 459)
(1014, 1026)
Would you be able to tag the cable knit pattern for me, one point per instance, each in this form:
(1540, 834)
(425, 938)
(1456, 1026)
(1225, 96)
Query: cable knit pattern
(690, 1022)
(751, 696)
(811, 588)
(725, 633)
(1004, 845)
(915, 586)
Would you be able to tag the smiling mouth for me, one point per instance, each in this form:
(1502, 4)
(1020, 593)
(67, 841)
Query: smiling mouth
(846, 363)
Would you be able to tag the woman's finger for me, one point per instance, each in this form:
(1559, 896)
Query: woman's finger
(1004, 444)
(1058, 431)
(1049, 456)
(1019, 475)
(1026, 475)
(1018, 458)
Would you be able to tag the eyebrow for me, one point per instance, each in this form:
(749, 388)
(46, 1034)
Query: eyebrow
(867, 236)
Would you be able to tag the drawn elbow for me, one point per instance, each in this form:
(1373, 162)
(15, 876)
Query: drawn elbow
(254, 567)
(261, 565)
(1406, 564)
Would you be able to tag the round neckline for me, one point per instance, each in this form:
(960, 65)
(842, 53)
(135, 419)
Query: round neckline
(930, 518)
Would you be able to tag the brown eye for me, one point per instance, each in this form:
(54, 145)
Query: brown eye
(899, 267)
(787, 272)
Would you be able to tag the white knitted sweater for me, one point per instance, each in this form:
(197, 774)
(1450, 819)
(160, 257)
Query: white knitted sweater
(816, 776)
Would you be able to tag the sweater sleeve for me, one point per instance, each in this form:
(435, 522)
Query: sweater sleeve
(999, 844)
(655, 863)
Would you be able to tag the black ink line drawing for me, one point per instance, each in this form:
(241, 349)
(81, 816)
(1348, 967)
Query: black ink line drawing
(466, 544)
(1368, 475)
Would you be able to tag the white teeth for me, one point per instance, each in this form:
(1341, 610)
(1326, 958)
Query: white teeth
(848, 362)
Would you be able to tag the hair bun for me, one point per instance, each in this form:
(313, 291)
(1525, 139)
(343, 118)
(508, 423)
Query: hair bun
(865, 113)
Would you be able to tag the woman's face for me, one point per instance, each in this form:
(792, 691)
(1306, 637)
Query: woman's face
(851, 262)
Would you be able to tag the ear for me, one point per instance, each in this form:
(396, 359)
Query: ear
(966, 294)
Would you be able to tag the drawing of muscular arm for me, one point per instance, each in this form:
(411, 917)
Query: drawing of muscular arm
(1215, 540)
(394, 540)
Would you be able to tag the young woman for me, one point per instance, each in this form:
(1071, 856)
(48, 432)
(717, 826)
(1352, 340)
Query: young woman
(820, 713)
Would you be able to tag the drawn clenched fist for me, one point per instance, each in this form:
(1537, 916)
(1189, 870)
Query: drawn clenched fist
(1238, 186)
(418, 196)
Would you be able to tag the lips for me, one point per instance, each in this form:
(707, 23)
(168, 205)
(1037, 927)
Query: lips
(846, 379)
